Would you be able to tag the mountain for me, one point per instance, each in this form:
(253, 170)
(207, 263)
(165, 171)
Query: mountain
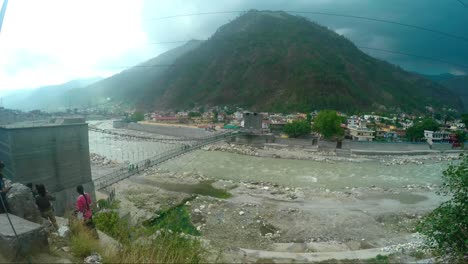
(45, 97)
(129, 86)
(457, 84)
(274, 61)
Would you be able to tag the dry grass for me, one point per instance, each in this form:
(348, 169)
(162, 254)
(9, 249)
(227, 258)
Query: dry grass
(82, 241)
(165, 248)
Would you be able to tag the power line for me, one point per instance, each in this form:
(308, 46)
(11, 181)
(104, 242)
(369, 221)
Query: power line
(461, 2)
(335, 15)
(415, 55)
(360, 47)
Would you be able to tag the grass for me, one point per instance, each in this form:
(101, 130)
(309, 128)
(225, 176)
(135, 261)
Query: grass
(82, 241)
(158, 241)
(167, 247)
(176, 219)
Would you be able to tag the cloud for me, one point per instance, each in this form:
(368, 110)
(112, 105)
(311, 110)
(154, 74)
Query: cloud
(457, 72)
(345, 31)
(53, 41)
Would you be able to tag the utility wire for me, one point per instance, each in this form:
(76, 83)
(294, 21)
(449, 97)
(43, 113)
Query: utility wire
(360, 47)
(416, 56)
(334, 15)
(461, 2)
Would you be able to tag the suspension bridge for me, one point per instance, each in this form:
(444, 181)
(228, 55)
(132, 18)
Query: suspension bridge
(126, 171)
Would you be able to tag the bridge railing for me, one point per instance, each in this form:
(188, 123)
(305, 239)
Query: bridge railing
(125, 172)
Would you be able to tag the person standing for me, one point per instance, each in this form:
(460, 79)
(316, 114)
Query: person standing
(43, 199)
(4, 207)
(83, 209)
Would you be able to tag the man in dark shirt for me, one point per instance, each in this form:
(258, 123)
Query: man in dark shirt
(4, 208)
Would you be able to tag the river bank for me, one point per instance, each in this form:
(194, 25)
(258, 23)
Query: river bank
(267, 216)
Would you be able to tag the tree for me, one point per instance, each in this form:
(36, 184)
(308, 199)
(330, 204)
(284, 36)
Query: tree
(309, 118)
(328, 123)
(464, 119)
(297, 128)
(137, 116)
(194, 114)
(446, 228)
(416, 132)
(215, 116)
(461, 136)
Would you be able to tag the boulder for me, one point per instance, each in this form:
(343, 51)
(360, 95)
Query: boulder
(30, 237)
(23, 204)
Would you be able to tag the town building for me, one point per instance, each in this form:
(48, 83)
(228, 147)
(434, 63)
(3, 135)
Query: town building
(361, 132)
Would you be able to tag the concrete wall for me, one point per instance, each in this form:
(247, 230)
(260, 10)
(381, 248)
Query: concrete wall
(175, 131)
(295, 142)
(252, 139)
(379, 146)
(56, 156)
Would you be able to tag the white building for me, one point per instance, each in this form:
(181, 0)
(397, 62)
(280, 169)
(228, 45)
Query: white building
(436, 137)
(361, 132)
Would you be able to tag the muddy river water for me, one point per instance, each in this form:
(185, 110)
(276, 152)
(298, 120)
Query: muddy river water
(306, 173)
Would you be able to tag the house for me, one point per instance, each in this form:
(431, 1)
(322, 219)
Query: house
(437, 136)
(353, 121)
(361, 132)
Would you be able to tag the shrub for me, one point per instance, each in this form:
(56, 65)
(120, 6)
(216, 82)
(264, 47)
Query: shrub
(82, 242)
(110, 223)
(446, 228)
(297, 128)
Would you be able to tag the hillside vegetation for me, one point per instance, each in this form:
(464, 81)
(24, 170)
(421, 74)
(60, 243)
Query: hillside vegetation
(274, 61)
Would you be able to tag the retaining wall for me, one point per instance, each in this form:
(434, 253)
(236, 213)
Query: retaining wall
(175, 131)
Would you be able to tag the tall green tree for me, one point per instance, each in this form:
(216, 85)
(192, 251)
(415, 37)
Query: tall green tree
(416, 132)
(297, 128)
(446, 228)
(328, 123)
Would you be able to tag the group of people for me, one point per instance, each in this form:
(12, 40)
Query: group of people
(44, 201)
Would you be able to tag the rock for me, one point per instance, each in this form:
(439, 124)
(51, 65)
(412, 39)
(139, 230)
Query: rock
(94, 258)
(66, 249)
(266, 188)
(197, 211)
(63, 231)
(202, 207)
(23, 204)
(241, 213)
(32, 237)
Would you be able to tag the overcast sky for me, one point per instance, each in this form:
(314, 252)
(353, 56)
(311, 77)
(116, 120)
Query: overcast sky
(53, 41)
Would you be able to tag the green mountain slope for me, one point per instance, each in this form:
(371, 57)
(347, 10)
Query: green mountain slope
(274, 61)
(457, 84)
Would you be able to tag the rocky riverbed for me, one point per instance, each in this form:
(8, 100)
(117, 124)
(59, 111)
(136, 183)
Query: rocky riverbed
(263, 215)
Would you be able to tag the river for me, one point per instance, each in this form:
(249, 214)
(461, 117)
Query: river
(305, 173)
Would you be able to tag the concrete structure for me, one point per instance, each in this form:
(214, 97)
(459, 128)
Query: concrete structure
(252, 121)
(54, 155)
(32, 238)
